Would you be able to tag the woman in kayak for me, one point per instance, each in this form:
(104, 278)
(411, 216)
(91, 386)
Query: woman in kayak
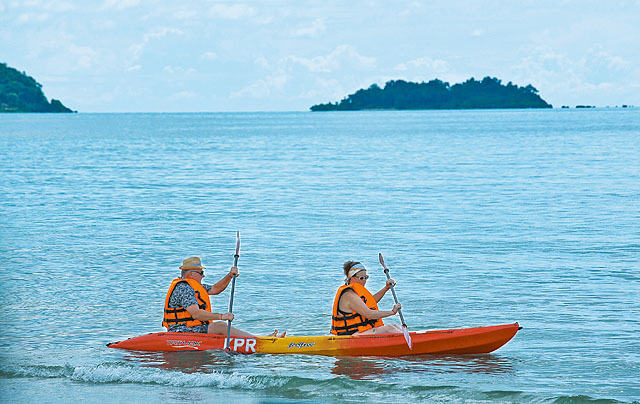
(355, 309)
(187, 307)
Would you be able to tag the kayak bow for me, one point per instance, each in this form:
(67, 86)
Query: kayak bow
(457, 341)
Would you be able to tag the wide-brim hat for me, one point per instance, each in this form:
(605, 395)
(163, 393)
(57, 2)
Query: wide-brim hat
(191, 263)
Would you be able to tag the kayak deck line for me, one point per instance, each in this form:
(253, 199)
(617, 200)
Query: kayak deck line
(474, 340)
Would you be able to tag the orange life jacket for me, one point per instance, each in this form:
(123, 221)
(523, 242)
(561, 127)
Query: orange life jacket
(180, 315)
(349, 323)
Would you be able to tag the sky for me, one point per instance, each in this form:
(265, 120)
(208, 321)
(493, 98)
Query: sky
(274, 55)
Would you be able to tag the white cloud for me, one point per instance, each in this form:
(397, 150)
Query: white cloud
(323, 90)
(262, 88)
(83, 56)
(120, 4)
(27, 18)
(262, 62)
(596, 65)
(425, 63)
(63, 55)
(179, 70)
(605, 64)
(313, 30)
(209, 55)
(183, 95)
(232, 12)
(185, 14)
(26, 4)
(339, 57)
(597, 74)
(413, 7)
(40, 5)
(137, 48)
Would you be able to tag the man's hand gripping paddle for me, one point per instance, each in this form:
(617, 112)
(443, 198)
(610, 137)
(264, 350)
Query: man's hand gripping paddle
(407, 337)
(233, 286)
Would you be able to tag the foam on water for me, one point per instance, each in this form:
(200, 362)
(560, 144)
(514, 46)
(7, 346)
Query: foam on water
(337, 388)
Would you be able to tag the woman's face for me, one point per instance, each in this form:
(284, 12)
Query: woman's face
(360, 277)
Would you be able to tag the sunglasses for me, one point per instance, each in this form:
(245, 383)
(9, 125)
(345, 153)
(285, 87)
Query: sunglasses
(363, 278)
(199, 272)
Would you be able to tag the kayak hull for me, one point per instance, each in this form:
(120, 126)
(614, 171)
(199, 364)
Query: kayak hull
(456, 341)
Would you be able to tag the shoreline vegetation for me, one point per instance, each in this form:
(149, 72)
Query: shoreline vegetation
(488, 93)
(22, 93)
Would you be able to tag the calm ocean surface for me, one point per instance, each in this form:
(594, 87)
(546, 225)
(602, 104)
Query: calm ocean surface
(484, 217)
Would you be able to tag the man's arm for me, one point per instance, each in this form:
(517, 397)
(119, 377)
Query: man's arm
(224, 282)
(198, 314)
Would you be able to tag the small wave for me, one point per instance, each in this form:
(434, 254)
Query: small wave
(290, 387)
(16, 371)
(584, 400)
(117, 372)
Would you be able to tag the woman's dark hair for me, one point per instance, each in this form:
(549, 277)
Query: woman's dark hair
(348, 265)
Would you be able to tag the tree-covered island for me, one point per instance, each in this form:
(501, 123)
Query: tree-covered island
(436, 94)
(21, 93)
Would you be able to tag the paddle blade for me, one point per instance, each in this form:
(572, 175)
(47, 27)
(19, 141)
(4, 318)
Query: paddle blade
(381, 261)
(237, 244)
(407, 337)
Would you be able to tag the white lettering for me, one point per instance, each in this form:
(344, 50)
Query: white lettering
(251, 346)
(237, 343)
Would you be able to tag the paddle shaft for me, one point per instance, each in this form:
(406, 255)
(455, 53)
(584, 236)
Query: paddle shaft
(233, 287)
(395, 298)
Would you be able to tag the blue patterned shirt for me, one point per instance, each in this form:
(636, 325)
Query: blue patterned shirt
(184, 295)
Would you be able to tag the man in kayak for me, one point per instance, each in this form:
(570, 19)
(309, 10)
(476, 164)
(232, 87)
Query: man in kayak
(187, 307)
(355, 309)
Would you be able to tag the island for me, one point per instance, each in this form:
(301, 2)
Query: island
(436, 94)
(21, 93)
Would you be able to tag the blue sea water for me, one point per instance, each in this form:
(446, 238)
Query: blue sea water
(484, 217)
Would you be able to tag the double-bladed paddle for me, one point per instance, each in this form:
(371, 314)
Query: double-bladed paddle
(407, 337)
(233, 286)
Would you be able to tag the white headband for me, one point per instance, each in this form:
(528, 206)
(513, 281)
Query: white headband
(355, 269)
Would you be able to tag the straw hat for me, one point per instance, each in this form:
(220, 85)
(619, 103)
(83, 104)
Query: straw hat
(191, 263)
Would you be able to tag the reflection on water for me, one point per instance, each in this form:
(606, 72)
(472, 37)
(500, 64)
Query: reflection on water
(357, 368)
(369, 368)
(186, 362)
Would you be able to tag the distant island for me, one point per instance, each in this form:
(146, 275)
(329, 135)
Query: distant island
(21, 93)
(436, 94)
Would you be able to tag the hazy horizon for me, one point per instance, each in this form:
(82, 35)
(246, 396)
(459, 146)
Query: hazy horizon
(272, 56)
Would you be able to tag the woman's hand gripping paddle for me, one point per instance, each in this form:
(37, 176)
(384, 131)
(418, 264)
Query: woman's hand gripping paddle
(233, 286)
(407, 337)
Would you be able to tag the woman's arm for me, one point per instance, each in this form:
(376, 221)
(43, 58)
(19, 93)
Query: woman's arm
(385, 289)
(354, 303)
(224, 282)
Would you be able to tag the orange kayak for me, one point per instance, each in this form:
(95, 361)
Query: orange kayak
(458, 341)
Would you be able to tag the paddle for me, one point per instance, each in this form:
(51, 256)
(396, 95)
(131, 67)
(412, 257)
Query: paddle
(233, 286)
(407, 337)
